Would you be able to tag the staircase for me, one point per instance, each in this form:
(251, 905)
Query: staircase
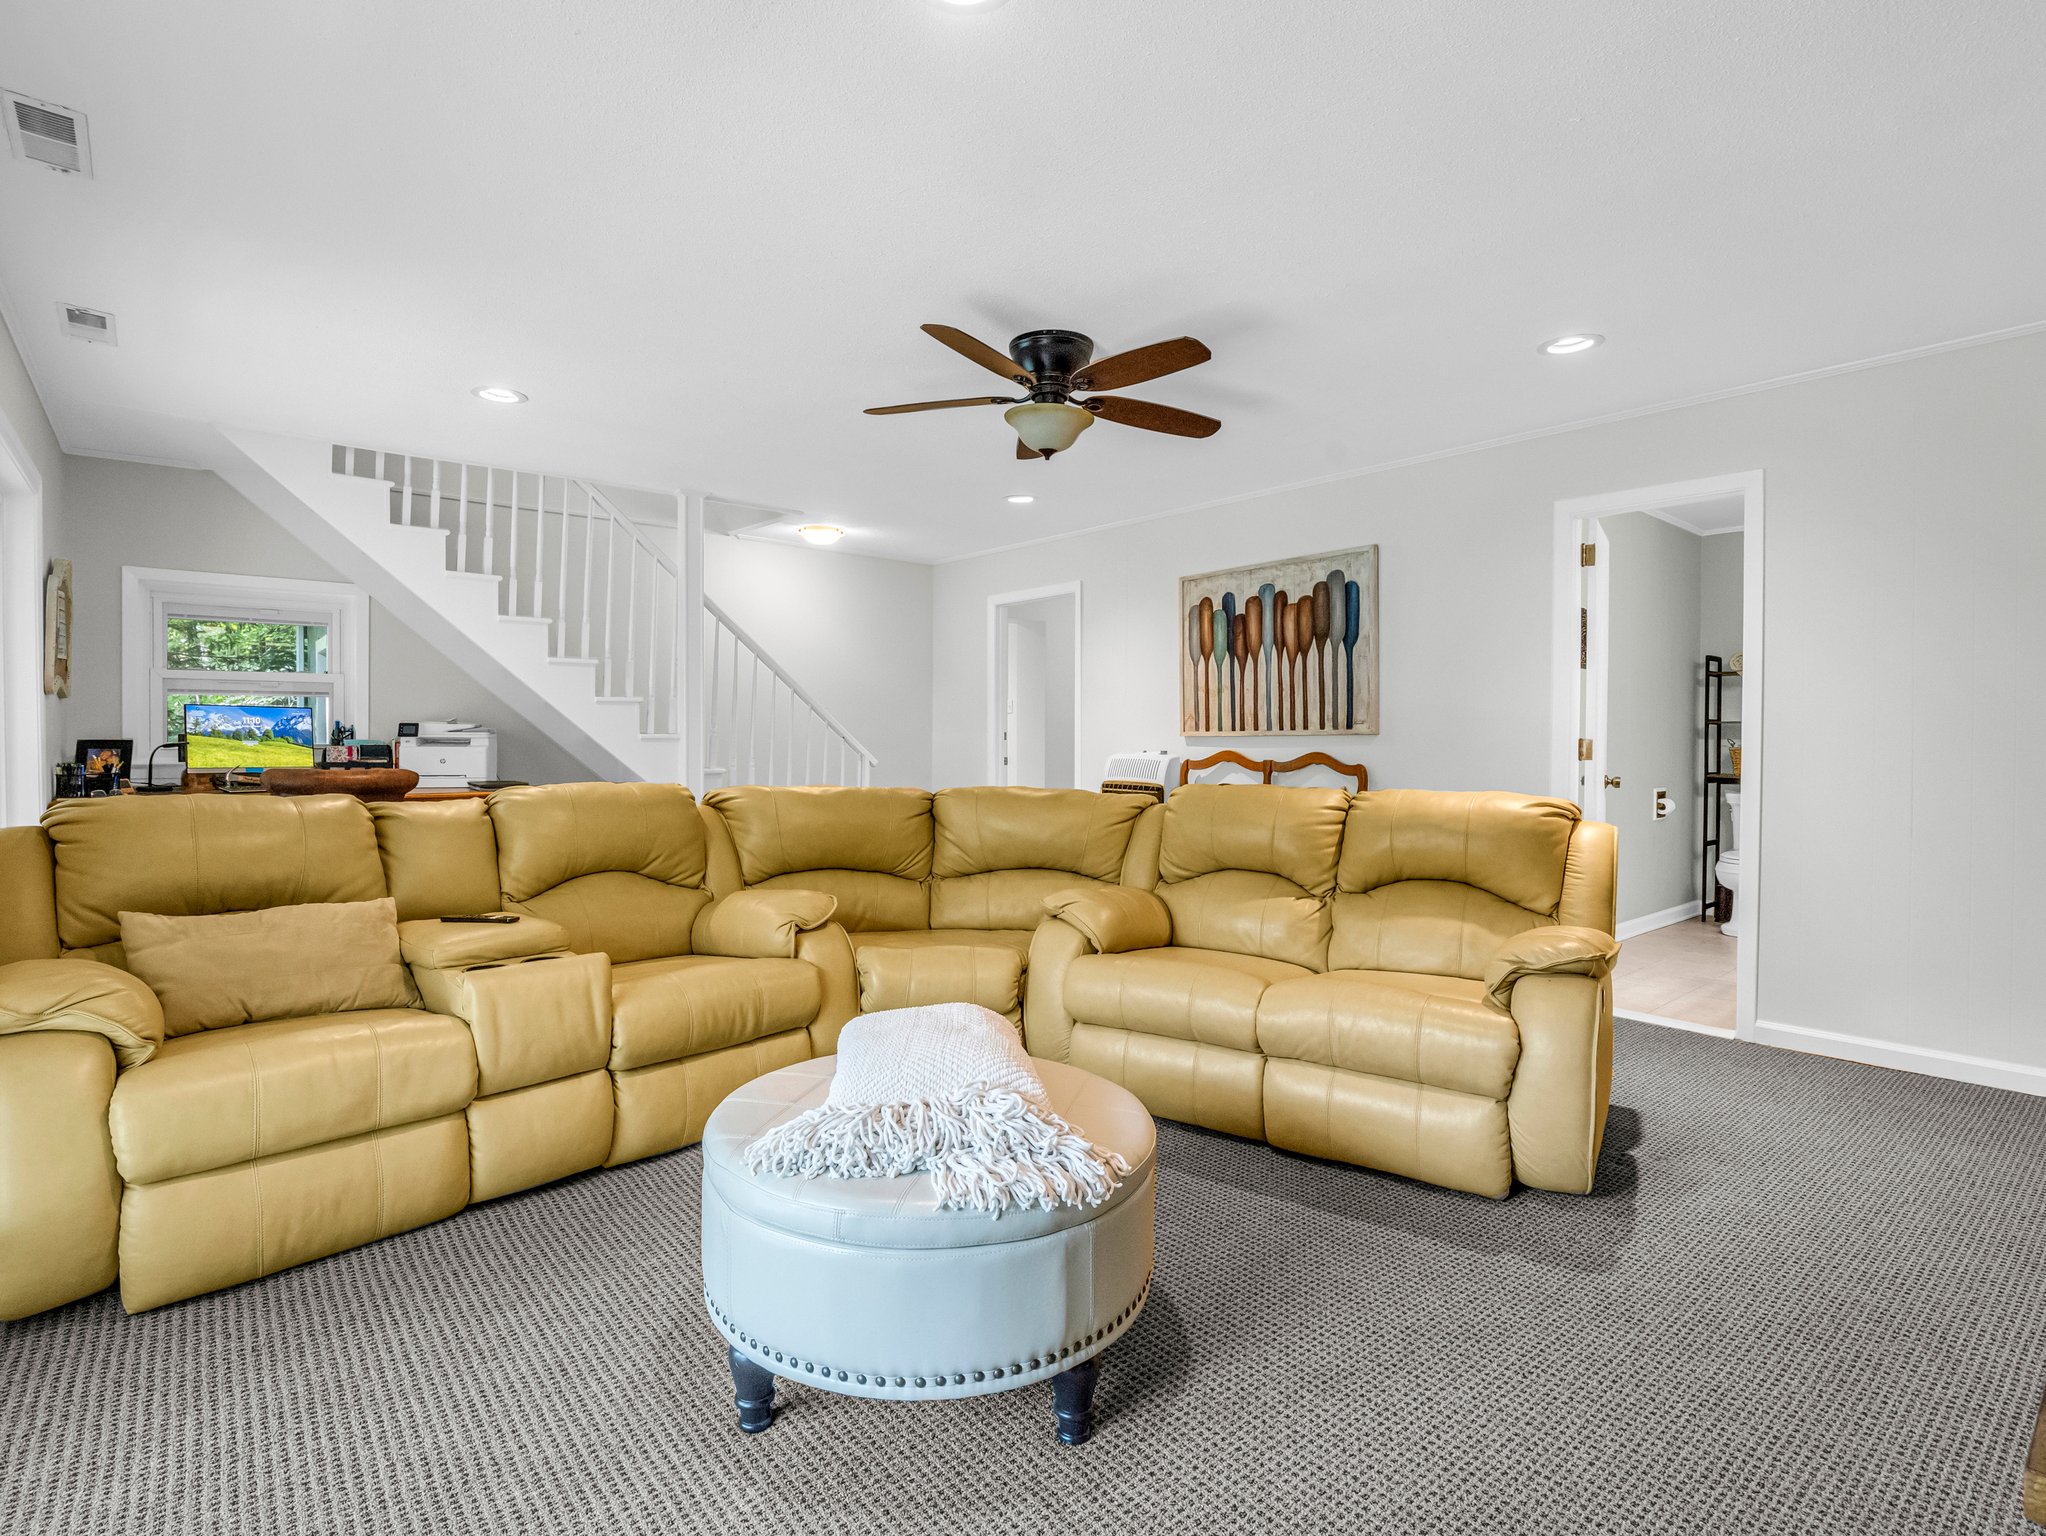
(555, 600)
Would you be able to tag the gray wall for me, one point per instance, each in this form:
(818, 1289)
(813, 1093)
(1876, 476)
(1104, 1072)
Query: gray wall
(855, 631)
(1906, 546)
(1652, 698)
(121, 513)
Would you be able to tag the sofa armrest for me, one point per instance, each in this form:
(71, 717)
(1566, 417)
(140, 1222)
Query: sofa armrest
(1548, 952)
(760, 925)
(440, 946)
(84, 997)
(1114, 918)
(534, 1018)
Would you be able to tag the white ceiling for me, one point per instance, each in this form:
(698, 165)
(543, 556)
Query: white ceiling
(702, 236)
(1719, 514)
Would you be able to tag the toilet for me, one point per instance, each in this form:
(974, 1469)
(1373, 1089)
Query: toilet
(1728, 869)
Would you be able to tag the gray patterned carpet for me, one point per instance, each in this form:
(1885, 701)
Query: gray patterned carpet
(1808, 1297)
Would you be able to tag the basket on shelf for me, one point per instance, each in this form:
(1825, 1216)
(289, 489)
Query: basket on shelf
(1735, 754)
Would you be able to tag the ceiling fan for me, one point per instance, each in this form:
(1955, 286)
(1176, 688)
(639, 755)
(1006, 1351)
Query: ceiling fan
(1052, 366)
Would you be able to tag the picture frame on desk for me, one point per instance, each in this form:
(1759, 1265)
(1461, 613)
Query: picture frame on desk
(98, 755)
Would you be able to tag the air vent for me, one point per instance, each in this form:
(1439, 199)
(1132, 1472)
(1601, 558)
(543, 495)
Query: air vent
(83, 324)
(48, 134)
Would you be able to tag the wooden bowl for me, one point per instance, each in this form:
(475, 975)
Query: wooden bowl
(363, 783)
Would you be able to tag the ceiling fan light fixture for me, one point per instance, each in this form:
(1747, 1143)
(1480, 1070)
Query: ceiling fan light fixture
(821, 533)
(1048, 426)
(1564, 346)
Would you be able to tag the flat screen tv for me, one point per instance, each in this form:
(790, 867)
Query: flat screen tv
(253, 736)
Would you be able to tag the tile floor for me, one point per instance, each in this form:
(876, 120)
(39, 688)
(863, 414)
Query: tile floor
(1684, 971)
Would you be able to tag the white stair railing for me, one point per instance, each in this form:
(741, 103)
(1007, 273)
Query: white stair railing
(761, 726)
(563, 554)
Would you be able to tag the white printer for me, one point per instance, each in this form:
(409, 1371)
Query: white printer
(447, 754)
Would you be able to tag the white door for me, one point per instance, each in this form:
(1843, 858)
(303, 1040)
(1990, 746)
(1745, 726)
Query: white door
(1023, 727)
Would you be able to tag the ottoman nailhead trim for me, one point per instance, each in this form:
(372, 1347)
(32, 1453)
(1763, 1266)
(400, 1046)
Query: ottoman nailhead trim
(937, 1379)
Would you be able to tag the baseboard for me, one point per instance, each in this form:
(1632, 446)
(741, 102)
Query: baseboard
(1985, 1070)
(1635, 926)
(1663, 1021)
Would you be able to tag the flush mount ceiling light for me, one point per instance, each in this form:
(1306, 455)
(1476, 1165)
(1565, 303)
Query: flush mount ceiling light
(497, 394)
(1019, 501)
(821, 533)
(965, 5)
(1563, 346)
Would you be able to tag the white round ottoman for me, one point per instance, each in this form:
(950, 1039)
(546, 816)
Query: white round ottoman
(865, 1286)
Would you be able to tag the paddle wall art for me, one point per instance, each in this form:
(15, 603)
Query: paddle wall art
(1289, 648)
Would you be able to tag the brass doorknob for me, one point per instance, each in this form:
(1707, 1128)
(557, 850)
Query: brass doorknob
(1612, 781)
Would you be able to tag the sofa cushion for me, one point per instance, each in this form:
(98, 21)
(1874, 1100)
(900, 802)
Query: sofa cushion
(1288, 831)
(666, 1010)
(942, 966)
(1001, 851)
(1017, 939)
(865, 899)
(870, 848)
(439, 856)
(1204, 995)
(1248, 867)
(281, 962)
(620, 866)
(225, 1096)
(1436, 927)
(1435, 1030)
(1513, 846)
(186, 855)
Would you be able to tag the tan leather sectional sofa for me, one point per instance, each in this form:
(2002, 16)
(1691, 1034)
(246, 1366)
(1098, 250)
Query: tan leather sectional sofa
(1409, 981)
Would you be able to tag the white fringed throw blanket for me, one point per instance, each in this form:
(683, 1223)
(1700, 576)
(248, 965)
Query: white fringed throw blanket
(948, 1090)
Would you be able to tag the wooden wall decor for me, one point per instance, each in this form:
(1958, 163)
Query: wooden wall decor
(1287, 648)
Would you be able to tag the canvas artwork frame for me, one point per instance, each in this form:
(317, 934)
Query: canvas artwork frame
(1311, 671)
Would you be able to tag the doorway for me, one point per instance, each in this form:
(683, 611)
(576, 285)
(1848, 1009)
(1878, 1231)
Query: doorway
(1034, 687)
(1658, 711)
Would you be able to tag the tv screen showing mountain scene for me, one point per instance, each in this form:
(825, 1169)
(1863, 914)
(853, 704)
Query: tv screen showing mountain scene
(248, 736)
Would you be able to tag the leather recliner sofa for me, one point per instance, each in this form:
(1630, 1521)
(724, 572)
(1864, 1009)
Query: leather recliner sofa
(1410, 981)
(939, 893)
(1402, 979)
(602, 1027)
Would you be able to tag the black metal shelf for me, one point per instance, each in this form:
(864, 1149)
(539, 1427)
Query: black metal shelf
(1712, 813)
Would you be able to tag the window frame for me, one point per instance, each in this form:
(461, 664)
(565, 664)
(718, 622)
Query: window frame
(150, 597)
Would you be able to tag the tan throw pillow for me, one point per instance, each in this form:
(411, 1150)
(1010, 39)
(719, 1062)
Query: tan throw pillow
(278, 963)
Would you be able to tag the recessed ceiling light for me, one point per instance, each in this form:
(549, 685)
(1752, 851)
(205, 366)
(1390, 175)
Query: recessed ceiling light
(966, 5)
(1019, 501)
(1563, 346)
(497, 394)
(821, 533)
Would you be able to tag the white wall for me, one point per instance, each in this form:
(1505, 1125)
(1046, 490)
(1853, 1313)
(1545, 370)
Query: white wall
(121, 513)
(1906, 549)
(855, 631)
(1652, 708)
(23, 409)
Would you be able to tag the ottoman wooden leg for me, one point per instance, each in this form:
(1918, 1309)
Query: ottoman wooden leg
(1073, 1401)
(755, 1395)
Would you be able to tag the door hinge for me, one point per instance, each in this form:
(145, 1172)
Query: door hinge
(1584, 639)
(1587, 554)
(1584, 749)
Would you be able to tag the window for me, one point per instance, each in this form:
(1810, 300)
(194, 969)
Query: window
(192, 637)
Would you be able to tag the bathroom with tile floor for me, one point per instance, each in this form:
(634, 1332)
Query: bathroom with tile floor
(1683, 972)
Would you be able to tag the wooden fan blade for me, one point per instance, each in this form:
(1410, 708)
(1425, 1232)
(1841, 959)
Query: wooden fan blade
(937, 405)
(1152, 418)
(1025, 451)
(1152, 362)
(980, 352)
